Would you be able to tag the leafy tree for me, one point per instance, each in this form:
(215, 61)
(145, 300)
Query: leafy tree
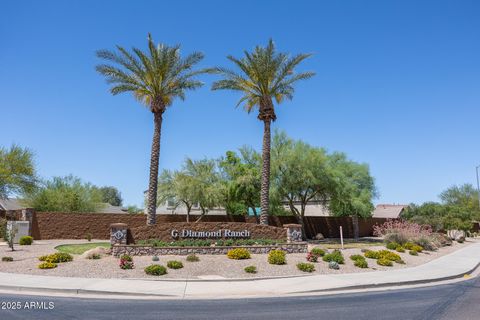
(196, 183)
(264, 75)
(354, 189)
(155, 78)
(241, 179)
(65, 194)
(301, 174)
(17, 171)
(464, 197)
(179, 187)
(457, 210)
(133, 209)
(428, 213)
(111, 195)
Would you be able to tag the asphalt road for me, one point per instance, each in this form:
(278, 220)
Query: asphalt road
(458, 301)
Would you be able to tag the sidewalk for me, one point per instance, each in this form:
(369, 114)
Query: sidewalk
(446, 267)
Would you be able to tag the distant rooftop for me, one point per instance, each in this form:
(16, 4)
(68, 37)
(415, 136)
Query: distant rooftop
(389, 211)
(10, 205)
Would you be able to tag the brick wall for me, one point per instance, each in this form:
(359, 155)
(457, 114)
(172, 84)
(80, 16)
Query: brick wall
(54, 225)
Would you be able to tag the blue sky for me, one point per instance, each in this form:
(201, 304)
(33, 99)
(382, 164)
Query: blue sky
(397, 86)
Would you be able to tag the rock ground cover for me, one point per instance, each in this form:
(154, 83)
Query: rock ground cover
(26, 261)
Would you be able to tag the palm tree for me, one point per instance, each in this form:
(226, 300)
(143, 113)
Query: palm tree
(265, 75)
(155, 78)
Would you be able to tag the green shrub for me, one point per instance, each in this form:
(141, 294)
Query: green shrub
(400, 261)
(58, 257)
(155, 258)
(355, 257)
(174, 264)
(47, 265)
(392, 256)
(126, 257)
(155, 270)
(7, 259)
(399, 249)
(208, 243)
(385, 262)
(306, 267)
(392, 245)
(277, 257)
(238, 254)
(317, 252)
(311, 257)
(413, 253)
(336, 256)
(250, 269)
(25, 241)
(126, 262)
(409, 245)
(372, 254)
(88, 236)
(417, 248)
(193, 258)
(94, 256)
(361, 263)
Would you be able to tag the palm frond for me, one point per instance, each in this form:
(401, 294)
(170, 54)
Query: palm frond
(263, 74)
(156, 75)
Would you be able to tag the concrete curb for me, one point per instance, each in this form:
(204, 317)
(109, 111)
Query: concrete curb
(392, 284)
(442, 269)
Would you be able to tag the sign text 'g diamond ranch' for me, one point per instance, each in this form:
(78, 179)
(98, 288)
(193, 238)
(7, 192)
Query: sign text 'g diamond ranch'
(222, 233)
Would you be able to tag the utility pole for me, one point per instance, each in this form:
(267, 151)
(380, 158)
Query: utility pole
(478, 185)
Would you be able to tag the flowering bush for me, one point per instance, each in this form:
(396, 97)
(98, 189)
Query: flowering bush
(317, 252)
(238, 254)
(312, 257)
(401, 232)
(126, 262)
(277, 257)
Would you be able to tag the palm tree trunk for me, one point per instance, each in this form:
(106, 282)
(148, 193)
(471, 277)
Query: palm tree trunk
(265, 186)
(153, 183)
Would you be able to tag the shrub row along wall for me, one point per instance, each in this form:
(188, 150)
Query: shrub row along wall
(162, 231)
(118, 250)
(55, 225)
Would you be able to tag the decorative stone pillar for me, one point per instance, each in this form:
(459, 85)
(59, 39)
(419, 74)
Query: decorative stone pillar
(294, 232)
(118, 233)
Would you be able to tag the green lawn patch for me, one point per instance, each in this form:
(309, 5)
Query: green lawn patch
(81, 247)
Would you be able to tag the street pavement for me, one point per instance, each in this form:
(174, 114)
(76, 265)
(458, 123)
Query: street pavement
(450, 266)
(457, 301)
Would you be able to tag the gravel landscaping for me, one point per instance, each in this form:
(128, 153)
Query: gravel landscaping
(25, 260)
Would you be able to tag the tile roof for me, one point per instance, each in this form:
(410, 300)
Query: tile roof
(390, 211)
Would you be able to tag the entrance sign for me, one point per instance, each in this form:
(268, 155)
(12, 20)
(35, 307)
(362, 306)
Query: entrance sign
(222, 233)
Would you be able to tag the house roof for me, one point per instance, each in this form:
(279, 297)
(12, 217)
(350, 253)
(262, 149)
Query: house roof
(15, 204)
(10, 205)
(389, 211)
(108, 208)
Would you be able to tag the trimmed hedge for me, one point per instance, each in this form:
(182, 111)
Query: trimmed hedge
(25, 241)
(156, 270)
(306, 267)
(277, 257)
(238, 254)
